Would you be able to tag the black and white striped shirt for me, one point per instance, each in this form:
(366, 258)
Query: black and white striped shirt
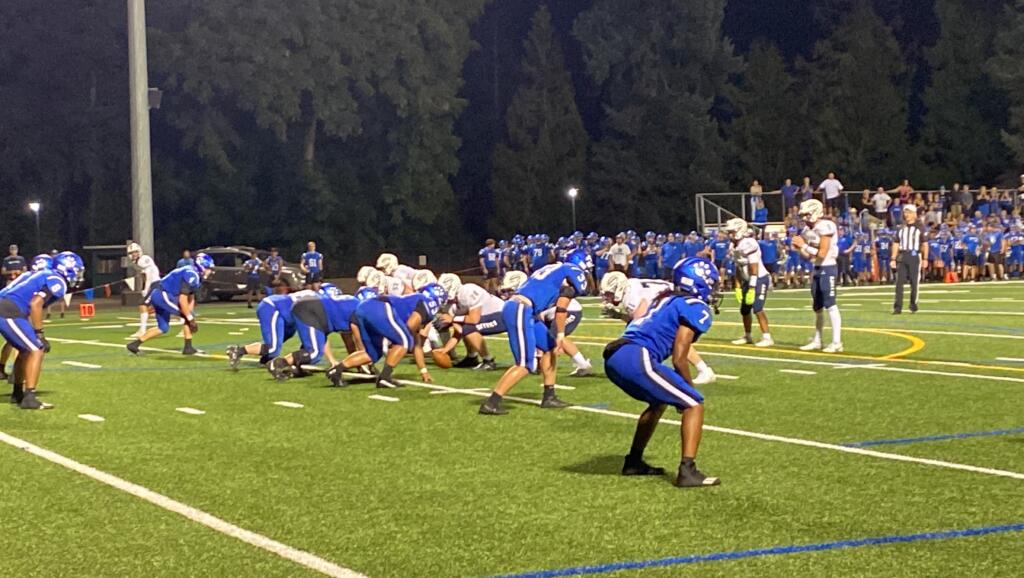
(909, 238)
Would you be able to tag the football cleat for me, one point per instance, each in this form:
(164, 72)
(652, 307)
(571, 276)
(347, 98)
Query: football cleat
(388, 383)
(833, 348)
(189, 350)
(486, 365)
(486, 408)
(812, 346)
(690, 477)
(583, 371)
(367, 369)
(468, 362)
(335, 375)
(133, 347)
(765, 342)
(742, 341)
(639, 467)
(235, 354)
(705, 377)
(280, 369)
(553, 402)
(30, 401)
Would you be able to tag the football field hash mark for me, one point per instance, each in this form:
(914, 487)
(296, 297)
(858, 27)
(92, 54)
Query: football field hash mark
(82, 365)
(90, 417)
(289, 404)
(798, 371)
(190, 410)
(384, 398)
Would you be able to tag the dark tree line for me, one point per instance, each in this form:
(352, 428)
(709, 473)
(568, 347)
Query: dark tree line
(343, 120)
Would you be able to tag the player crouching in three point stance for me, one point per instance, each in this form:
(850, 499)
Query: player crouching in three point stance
(170, 296)
(629, 299)
(22, 305)
(633, 362)
(277, 325)
(401, 320)
(752, 282)
(818, 243)
(550, 286)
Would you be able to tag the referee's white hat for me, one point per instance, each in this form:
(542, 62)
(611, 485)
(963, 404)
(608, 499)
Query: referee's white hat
(910, 209)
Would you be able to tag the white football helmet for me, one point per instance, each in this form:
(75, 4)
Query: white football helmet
(376, 280)
(513, 280)
(811, 210)
(451, 284)
(134, 248)
(387, 262)
(614, 284)
(363, 273)
(422, 278)
(736, 228)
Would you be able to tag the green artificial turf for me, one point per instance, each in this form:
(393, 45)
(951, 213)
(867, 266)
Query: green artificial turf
(426, 487)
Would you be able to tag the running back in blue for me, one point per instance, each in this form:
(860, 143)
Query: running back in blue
(656, 331)
(545, 285)
(183, 280)
(46, 284)
(339, 309)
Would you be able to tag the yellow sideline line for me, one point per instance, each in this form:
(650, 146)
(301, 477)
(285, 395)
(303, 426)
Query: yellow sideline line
(748, 349)
(916, 343)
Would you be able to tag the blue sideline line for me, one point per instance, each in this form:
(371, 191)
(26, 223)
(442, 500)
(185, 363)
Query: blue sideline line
(775, 551)
(935, 438)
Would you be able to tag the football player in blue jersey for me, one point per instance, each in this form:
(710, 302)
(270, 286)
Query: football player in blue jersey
(489, 266)
(634, 363)
(552, 286)
(274, 313)
(252, 267)
(1015, 238)
(274, 264)
(883, 253)
(22, 306)
(649, 253)
(402, 321)
(171, 296)
(972, 248)
(671, 253)
(312, 265)
(539, 254)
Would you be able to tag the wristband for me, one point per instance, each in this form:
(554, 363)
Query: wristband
(561, 310)
(561, 335)
(424, 371)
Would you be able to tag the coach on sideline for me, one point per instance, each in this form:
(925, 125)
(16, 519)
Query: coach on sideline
(909, 256)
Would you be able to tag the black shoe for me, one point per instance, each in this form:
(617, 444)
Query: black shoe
(690, 477)
(468, 362)
(30, 401)
(335, 375)
(235, 354)
(895, 312)
(16, 394)
(913, 309)
(486, 408)
(390, 383)
(553, 402)
(486, 365)
(639, 467)
(133, 347)
(249, 305)
(189, 350)
(280, 369)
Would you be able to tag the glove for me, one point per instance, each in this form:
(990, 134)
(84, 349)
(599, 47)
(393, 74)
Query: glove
(46, 344)
(193, 326)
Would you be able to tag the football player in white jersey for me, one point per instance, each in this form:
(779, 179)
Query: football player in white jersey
(752, 281)
(629, 299)
(818, 243)
(145, 266)
(388, 264)
(473, 313)
(574, 315)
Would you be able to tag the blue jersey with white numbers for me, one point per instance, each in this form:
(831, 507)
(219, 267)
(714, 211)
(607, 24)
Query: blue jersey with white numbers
(656, 331)
(405, 305)
(971, 242)
(491, 256)
(883, 245)
(538, 254)
(340, 309)
(313, 261)
(720, 248)
(47, 284)
(545, 285)
(252, 267)
(275, 264)
(181, 281)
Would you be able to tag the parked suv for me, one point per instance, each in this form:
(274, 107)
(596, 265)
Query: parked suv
(229, 277)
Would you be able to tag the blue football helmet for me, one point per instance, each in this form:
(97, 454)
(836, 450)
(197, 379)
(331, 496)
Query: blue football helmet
(42, 262)
(331, 290)
(435, 297)
(367, 293)
(70, 266)
(579, 257)
(696, 276)
(202, 262)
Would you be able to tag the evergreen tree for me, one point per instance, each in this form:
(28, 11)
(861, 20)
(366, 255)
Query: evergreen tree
(770, 135)
(857, 81)
(661, 66)
(545, 152)
(1008, 73)
(960, 137)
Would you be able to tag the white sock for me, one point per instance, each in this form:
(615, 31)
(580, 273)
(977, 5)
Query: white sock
(837, 324)
(579, 361)
(819, 324)
(702, 366)
(143, 320)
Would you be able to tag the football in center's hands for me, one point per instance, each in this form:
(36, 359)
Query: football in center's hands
(441, 359)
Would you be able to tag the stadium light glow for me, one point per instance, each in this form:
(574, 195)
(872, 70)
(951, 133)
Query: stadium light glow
(34, 207)
(573, 193)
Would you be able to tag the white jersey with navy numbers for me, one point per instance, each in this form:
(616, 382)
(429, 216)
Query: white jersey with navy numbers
(813, 235)
(548, 315)
(748, 251)
(472, 296)
(150, 272)
(640, 290)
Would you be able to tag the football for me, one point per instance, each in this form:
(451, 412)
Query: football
(441, 359)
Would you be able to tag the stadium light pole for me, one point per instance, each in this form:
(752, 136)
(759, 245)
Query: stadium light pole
(573, 193)
(138, 81)
(34, 206)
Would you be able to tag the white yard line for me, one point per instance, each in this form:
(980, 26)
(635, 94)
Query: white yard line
(118, 326)
(289, 404)
(383, 398)
(300, 557)
(727, 377)
(1013, 359)
(748, 434)
(82, 365)
(91, 417)
(190, 410)
(798, 371)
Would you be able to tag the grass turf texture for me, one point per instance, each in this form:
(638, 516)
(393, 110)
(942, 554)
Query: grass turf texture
(426, 487)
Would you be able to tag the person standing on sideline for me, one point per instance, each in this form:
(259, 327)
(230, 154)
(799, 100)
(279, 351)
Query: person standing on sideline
(14, 264)
(186, 259)
(312, 264)
(833, 191)
(756, 194)
(273, 265)
(489, 266)
(145, 266)
(789, 191)
(909, 258)
(252, 267)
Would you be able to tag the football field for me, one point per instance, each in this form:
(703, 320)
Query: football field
(903, 456)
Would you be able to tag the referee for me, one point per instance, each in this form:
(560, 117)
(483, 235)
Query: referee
(909, 257)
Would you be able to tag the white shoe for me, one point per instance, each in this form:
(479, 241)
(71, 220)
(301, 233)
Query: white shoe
(834, 348)
(138, 334)
(812, 346)
(742, 341)
(584, 371)
(765, 342)
(705, 377)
